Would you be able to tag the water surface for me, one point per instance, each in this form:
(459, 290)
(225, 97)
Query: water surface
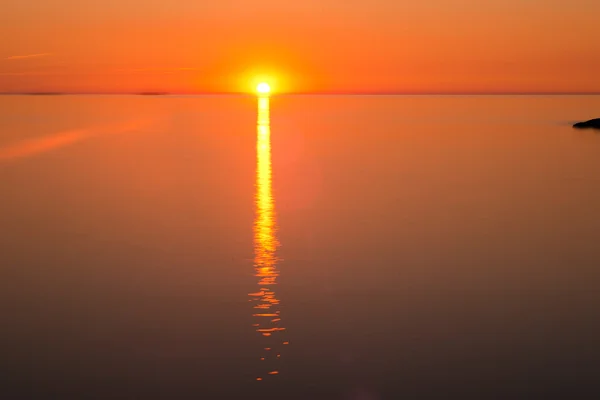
(299, 247)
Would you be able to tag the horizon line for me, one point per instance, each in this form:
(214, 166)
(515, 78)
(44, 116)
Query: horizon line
(332, 93)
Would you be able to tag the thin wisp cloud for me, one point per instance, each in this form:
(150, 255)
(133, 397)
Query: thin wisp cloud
(28, 56)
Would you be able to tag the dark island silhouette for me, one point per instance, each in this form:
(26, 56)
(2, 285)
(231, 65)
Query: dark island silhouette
(592, 123)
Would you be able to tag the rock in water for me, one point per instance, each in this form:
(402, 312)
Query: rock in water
(592, 123)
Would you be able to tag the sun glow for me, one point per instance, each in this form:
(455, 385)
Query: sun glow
(263, 88)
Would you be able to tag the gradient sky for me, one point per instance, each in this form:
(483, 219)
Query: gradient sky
(303, 46)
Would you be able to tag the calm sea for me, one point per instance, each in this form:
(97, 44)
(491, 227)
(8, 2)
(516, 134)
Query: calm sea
(299, 247)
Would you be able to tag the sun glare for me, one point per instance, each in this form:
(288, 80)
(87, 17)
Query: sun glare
(263, 88)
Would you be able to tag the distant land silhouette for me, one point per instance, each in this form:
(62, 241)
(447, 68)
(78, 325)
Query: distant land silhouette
(592, 123)
(44, 94)
(152, 93)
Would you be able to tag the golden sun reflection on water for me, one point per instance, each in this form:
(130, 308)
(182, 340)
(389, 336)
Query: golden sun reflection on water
(265, 301)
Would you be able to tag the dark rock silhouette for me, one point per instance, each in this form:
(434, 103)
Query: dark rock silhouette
(592, 123)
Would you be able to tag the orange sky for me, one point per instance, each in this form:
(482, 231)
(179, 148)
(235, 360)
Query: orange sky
(306, 46)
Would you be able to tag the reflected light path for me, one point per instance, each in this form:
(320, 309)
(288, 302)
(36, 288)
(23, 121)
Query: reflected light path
(265, 303)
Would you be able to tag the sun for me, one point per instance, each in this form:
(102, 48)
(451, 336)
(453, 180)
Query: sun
(263, 88)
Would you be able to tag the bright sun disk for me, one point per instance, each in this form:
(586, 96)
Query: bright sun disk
(263, 88)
